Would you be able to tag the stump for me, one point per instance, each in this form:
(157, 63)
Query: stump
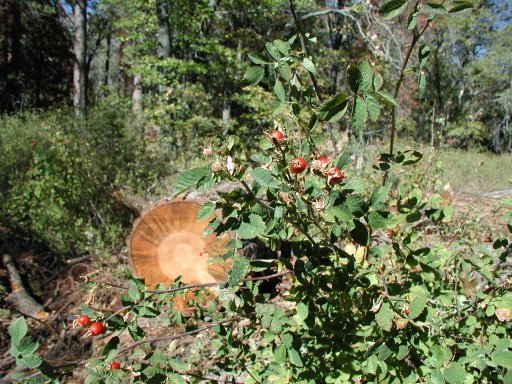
(166, 242)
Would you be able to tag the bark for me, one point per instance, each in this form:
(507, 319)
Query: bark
(16, 49)
(164, 29)
(107, 60)
(137, 106)
(20, 298)
(80, 52)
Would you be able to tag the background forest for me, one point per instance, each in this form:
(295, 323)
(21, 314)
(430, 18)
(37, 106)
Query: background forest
(103, 103)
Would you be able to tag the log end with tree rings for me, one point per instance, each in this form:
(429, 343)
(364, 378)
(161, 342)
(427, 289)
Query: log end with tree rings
(166, 242)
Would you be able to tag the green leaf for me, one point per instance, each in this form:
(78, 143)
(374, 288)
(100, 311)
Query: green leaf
(365, 76)
(418, 298)
(434, 9)
(423, 54)
(454, 374)
(302, 311)
(133, 291)
(440, 355)
(393, 8)
(333, 109)
(257, 58)
(273, 51)
(282, 46)
(360, 114)
(379, 196)
(190, 178)
(385, 317)
(29, 361)
(308, 64)
(378, 220)
(280, 354)
(252, 228)
(359, 77)
(112, 344)
(279, 91)
(503, 358)
(238, 270)
(373, 107)
(263, 177)
(205, 211)
(136, 332)
(459, 6)
(284, 70)
(294, 357)
(253, 75)
(377, 81)
(387, 97)
(17, 330)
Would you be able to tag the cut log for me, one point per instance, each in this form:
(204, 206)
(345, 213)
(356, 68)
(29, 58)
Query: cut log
(19, 297)
(166, 242)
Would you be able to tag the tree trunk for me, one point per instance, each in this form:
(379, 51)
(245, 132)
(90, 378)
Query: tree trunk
(16, 51)
(164, 29)
(107, 60)
(80, 51)
(137, 106)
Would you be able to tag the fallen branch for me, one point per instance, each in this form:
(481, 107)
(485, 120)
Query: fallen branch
(19, 297)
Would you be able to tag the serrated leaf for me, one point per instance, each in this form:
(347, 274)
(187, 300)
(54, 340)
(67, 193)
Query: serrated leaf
(294, 357)
(353, 77)
(238, 270)
(434, 9)
(423, 54)
(133, 291)
(282, 46)
(373, 108)
(257, 58)
(17, 330)
(365, 76)
(205, 211)
(379, 196)
(280, 354)
(263, 177)
(190, 178)
(454, 374)
(136, 332)
(273, 51)
(112, 344)
(459, 6)
(284, 70)
(377, 220)
(251, 228)
(279, 91)
(333, 109)
(418, 298)
(387, 97)
(393, 8)
(503, 358)
(385, 317)
(302, 311)
(253, 75)
(360, 114)
(29, 361)
(377, 81)
(308, 64)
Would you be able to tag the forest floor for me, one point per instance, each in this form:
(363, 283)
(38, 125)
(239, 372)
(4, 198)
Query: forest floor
(478, 216)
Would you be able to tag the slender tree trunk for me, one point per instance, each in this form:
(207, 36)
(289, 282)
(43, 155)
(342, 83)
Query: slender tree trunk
(164, 29)
(80, 51)
(137, 106)
(107, 60)
(16, 51)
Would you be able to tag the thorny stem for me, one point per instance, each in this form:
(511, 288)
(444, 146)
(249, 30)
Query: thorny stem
(415, 39)
(302, 38)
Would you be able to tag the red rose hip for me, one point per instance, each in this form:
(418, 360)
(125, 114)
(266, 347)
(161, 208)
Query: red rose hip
(96, 328)
(298, 165)
(115, 365)
(83, 320)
